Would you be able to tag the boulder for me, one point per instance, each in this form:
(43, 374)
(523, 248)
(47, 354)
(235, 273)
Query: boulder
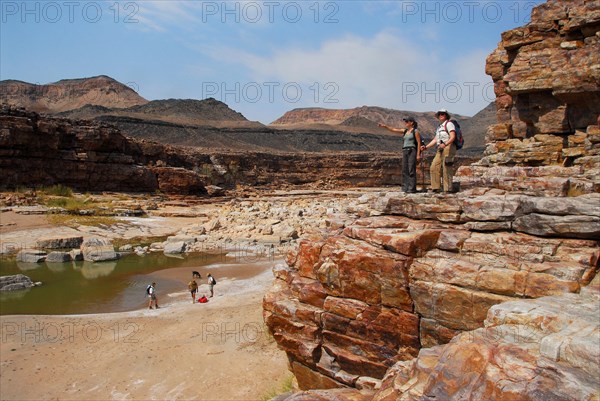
(76, 255)
(97, 250)
(58, 257)
(175, 247)
(16, 282)
(31, 256)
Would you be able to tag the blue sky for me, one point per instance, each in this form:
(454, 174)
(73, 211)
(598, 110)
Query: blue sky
(265, 58)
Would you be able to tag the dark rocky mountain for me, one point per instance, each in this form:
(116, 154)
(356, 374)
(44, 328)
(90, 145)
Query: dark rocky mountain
(209, 109)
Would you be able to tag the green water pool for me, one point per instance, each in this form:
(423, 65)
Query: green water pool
(85, 287)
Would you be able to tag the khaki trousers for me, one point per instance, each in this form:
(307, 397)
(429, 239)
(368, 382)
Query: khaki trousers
(442, 169)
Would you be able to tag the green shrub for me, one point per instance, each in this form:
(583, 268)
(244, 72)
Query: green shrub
(58, 190)
(283, 387)
(71, 204)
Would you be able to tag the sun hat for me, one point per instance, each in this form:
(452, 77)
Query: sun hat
(442, 111)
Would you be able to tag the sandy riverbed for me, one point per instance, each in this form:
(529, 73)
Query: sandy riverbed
(214, 351)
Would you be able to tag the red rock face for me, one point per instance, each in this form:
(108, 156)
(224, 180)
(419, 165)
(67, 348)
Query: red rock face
(338, 294)
(547, 70)
(348, 307)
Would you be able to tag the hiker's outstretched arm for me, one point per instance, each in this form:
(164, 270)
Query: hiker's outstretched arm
(392, 129)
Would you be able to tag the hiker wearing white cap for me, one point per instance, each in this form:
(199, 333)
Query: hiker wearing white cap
(441, 167)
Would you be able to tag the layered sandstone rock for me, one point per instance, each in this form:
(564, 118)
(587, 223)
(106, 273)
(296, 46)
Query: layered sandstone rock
(528, 350)
(547, 85)
(349, 306)
(37, 151)
(491, 287)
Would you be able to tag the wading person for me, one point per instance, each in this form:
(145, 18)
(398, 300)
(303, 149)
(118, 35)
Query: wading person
(411, 153)
(152, 296)
(441, 167)
(211, 283)
(193, 287)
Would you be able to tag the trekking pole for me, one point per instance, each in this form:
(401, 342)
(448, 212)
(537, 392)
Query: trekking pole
(422, 174)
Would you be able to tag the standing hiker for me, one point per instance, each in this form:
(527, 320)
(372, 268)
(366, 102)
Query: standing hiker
(411, 152)
(211, 284)
(441, 166)
(151, 290)
(193, 287)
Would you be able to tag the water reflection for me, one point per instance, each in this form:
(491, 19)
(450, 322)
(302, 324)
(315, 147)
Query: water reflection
(91, 270)
(174, 255)
(24, 266)
(13, 295)
(58, 267)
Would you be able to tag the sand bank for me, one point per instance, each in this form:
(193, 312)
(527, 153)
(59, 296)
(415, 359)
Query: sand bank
(214, 351)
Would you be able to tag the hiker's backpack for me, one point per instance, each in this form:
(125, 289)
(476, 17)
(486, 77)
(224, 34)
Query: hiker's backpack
(213, 280)
(459, 141)
(148, 289)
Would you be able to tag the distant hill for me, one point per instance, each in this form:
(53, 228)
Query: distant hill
(69, 94)
(207, 112)
(212, 124)
(365, 119)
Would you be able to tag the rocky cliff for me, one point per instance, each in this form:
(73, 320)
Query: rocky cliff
(36, 151)
(481, 295)
(547, 84)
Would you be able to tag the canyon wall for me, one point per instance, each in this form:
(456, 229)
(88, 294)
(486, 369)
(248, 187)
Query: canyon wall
(91, 156)
(491, 293)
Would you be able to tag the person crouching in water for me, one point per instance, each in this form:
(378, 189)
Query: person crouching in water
(411, 153)
(193, 287)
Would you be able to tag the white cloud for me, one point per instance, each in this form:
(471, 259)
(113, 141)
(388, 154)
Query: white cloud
(159, 14)
(387, 70)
